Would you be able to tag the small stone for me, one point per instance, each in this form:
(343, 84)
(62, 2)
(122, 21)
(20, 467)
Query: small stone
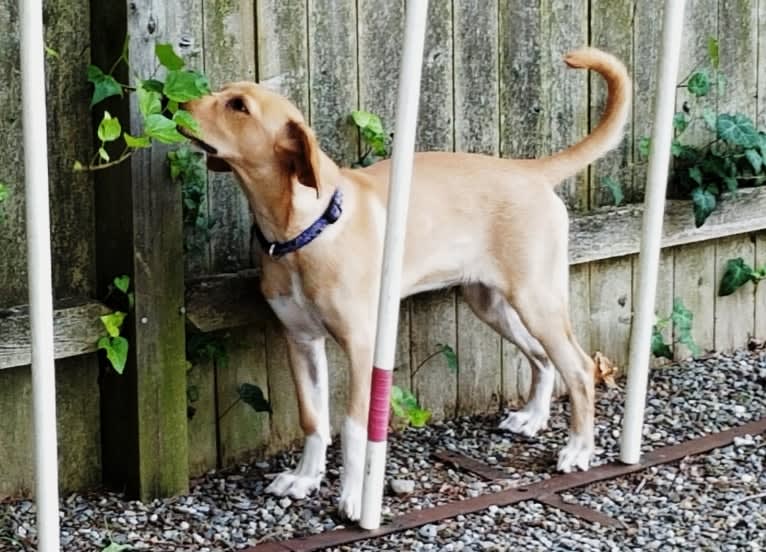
(428, 531)
(184, 526)
(285, 502)
(402, 486)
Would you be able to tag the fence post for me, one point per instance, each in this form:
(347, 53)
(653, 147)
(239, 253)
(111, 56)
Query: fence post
(139, 233)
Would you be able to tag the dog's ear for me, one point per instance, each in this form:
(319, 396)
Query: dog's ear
(297, 150)
(216, 164)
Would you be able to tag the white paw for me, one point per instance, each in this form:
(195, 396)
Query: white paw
(295, 485)
(350, 504)
(526, 422)
(576, 454)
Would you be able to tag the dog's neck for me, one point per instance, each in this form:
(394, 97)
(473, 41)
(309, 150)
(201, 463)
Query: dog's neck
(288, 211)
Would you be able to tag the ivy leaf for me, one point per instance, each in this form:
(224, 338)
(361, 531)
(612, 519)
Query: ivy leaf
(185, 119)
(755, 159)
(682, 320)
(713, 53)
(122, 283)
(103, 154)
(450, 356)
(695, 174)
(253, 396)
(182, 86)
(116, 351)
(699, 84)
(709, 116)
(149, 101)
(152, 85)
(113, 322)
(136, 142)
(643, 146)
(114, 547)
(168, 57)
(3, 191)
(736, 275)
(615, 188)
(104, 86)
(371, 129)
(704, 204)
(162, 129)
(397, 396)
(680, 122)
(109, 129)
(418, 417)
(660, 349)
(737, 130)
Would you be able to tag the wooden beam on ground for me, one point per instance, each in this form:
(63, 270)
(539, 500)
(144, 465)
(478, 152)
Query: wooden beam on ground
(76, 327)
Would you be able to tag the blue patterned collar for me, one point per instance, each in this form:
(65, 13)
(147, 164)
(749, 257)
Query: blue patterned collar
(279, 249)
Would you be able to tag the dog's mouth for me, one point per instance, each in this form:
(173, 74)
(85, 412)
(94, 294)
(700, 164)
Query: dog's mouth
(198, 142)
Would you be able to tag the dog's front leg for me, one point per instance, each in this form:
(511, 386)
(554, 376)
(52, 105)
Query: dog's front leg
(354, 431)
(308, 363)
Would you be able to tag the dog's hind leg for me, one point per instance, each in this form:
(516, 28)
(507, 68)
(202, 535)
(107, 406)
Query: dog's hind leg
(492, 307)
(545, 315)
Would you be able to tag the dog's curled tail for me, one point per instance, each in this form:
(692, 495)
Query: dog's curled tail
(608, 134)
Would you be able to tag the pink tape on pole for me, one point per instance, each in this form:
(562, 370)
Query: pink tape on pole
(380, 391)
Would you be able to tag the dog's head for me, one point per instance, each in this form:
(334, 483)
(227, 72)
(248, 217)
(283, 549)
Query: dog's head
(257, 133)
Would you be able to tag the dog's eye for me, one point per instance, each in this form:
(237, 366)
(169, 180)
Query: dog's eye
(236, 104)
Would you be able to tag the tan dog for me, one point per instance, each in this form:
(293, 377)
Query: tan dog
(493, 226)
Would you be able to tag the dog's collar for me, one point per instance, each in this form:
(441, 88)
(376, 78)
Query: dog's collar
(279, 249)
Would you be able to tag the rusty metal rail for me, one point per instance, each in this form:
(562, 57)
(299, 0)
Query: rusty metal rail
(542, 491)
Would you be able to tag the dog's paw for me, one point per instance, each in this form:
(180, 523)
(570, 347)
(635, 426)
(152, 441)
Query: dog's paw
(350, 504)
(525, 422)
(576, 454)
(295, 485)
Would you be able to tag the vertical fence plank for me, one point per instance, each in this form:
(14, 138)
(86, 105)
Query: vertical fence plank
(646, 40)
(203, 423)
(733, 321)
(579, 312)
(433, 314)
(282, 50)
(476, 130)
(285, 425)
(241, 429)
(380, 27)
(513, 363)
(760, 293)
(737, 35)
(229, 56)
(332, 77)
(611, 307)
(565, 27)
(139, 232)
(380, 32)
(695, 285)
(433, 325)
(663, 303)
(611, 29)
(333, 95)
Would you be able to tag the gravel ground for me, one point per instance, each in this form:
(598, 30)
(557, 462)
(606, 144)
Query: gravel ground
(711, 501)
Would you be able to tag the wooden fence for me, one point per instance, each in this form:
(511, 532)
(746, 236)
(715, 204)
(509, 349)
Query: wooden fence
(493, 82)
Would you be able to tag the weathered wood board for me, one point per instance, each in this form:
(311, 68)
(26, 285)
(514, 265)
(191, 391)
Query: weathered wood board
(229, 55)
(695, 284)
(611, 308)
(733, 321)
(241, 430)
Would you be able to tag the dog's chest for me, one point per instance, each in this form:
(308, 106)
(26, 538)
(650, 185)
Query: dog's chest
(298, 314)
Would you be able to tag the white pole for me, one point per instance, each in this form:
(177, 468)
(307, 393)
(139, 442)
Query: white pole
(393, 253)
(654, 207)
(39, 273)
